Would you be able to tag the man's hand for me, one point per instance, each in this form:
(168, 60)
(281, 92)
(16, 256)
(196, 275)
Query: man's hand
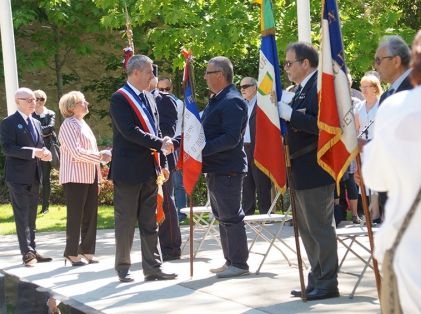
(166, 174)
(167, 145)
(105, 156)
(43, 153)
(361, 144)
(285, 111)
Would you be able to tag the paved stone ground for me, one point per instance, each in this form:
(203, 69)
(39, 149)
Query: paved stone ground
(95, 288)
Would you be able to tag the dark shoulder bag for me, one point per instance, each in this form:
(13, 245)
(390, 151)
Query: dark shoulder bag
(389, 297)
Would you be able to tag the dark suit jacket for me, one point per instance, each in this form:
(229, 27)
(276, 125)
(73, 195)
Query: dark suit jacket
(20, 167)
(224, 122)
(405, 85)
(47, 126)
(252, 126)
(132, 155)
(167, 109)
(303, 132)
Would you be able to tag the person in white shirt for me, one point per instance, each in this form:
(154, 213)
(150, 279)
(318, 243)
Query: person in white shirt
(391, 163)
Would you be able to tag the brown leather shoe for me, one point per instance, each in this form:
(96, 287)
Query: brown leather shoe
(29, 258)
(42, 259)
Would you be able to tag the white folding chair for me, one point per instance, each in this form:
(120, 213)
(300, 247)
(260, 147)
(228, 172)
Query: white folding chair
(268, 227)
(203, 226)
(349, 236)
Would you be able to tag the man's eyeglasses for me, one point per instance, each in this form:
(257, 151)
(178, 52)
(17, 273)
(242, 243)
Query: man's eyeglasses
(165, 89)
(28, 100)
(378, 60)
(288, 64)
(40, 99)
(245, 86)
(212, 72)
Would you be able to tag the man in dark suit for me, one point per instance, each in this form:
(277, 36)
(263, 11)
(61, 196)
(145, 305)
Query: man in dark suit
(24, 149)
(255, 180)
(392, 63)
(224, 162)
(134, 169)
(313, 186)
(169, 230)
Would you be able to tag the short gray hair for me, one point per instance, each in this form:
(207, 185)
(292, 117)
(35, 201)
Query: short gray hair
(137, 62)
(396, 46)
(252, 80)
(225, 66)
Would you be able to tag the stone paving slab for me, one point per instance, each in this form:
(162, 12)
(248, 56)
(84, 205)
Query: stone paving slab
(95, 289)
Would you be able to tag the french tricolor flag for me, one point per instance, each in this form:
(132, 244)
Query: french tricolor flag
(193, 137)
(337, 145)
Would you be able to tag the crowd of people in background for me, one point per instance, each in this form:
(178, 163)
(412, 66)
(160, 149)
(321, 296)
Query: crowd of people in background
(146, 123)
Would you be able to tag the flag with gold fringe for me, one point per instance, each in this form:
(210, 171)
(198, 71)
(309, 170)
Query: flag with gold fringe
(337, 145)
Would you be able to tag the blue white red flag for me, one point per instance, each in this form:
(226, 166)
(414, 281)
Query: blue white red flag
(193, 137)
(337, 145)
(269, 154)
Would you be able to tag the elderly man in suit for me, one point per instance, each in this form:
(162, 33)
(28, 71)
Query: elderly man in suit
(224, 161)
(255, 180)
(313, 186)
(23, 146)
(392, 63)
(134, 169)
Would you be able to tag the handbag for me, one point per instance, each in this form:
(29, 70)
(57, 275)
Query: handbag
(389, 296)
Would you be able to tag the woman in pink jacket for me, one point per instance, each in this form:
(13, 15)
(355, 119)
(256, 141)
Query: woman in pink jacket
(80, 174)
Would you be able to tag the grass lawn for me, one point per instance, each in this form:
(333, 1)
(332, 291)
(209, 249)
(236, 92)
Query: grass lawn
(54, 220)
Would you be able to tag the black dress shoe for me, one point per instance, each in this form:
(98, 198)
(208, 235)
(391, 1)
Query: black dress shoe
(166, 258)
(125, 278)
(319, 294)
(160, 276)
(42, 259)
(297, 293)
(29, 258)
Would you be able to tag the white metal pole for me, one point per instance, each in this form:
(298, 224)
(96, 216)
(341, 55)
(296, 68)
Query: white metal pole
(9, 54)
(303, 17)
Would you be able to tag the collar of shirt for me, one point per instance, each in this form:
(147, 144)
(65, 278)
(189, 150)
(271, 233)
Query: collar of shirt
(252, 101)
(306, 79)
(395, 85)
(134, 88)
(24, 116)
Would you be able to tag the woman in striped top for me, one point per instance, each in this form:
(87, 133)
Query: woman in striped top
(80, 175)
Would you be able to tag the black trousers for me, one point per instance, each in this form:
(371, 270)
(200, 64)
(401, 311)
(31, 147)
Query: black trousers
(136, 204)
(169, 230)
(46, 184)
(24, 199)
(82, 212)
(225, 200)
(255, 181)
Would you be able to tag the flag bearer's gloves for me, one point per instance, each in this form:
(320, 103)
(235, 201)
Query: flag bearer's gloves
(285, 111)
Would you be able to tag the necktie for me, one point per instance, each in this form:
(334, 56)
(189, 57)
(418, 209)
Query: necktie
(31, 130)
(146, 103)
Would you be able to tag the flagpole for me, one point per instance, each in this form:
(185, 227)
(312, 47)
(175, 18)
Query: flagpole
(191, 235)
(369, 225)
(294, 218)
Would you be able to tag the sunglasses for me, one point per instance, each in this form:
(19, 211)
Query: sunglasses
(245, 86)
(164, 89)
(288, 64)
(40, 99)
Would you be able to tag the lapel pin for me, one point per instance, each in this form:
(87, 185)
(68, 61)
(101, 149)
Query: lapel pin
(20, 126)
